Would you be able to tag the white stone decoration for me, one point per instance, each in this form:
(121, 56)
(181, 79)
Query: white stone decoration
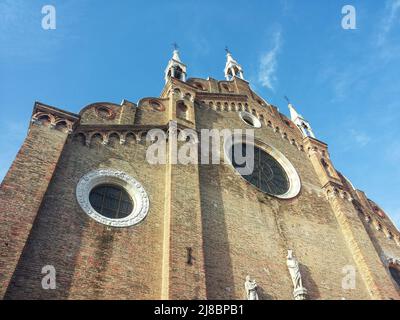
(299, 292)
(174, 64)
(393, 261)
(251, 289)
(293, 176)
(303, 125)
(232, 68)
(247, 118)
(110, 176)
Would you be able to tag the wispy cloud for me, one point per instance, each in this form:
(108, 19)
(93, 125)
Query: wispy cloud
(360, 138)
(372, 59)
(21, 32)
(269, 63)
(391, 16)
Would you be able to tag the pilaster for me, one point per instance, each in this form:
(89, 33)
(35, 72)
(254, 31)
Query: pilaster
(369, 265)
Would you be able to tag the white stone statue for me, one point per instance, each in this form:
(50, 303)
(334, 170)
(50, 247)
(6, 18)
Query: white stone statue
(251, 289)
(299, 291)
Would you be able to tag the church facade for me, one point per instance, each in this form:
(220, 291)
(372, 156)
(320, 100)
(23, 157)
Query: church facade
(85, 215)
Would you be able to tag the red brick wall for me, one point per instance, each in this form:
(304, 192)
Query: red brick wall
(22, 191)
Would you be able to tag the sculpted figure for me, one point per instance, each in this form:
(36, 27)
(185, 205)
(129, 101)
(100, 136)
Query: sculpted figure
(299, 291)
(251, 289)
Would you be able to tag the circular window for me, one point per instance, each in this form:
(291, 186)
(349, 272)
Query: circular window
(250, 119)
(105, 112)
(156, 105)
(112, 197)
(270, 171)
(111, 201)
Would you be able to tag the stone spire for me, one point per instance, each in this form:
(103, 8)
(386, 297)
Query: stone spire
(232, 68)
(301, 123)
(175, 67)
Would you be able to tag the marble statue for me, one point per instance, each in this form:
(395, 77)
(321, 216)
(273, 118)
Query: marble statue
(299, 291)
(251, 289)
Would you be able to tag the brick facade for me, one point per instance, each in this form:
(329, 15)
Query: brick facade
(206, 229)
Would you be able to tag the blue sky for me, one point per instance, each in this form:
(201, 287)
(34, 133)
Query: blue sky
(345, 82)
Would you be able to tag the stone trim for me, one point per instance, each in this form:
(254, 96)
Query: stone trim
(293, 176)
(133, 187)
(335, 191)
(244, 115)
(53, 117)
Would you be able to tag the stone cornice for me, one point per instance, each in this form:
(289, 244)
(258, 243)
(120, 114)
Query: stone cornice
(118, 127)
(174, 81)
(41, 107)
(221, 96)
(53, 117)
(315, 141)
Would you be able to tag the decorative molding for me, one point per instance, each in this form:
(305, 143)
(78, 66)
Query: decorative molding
(392, 261)
(334, 191)
(250, 119)
(105, 131)
(221, 96)
(120, 178)
(105, 112)
(52, 120)
(293, 176)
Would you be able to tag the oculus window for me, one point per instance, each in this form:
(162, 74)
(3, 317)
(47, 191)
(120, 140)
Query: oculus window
(111, 201)
(268, 175)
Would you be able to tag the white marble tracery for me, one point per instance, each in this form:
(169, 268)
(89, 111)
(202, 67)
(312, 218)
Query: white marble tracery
(110, 176)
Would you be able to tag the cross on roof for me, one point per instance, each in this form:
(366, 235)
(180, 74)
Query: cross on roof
(227, 49)
(175, 45)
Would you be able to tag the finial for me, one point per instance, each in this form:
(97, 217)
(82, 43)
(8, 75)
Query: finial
(227, 50)
(287, 99)
(175, 45)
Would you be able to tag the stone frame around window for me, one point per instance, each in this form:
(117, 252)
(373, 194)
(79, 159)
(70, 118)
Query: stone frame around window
(250, 119)
(135, 190)
(293, 176)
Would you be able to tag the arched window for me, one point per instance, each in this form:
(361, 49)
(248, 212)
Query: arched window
(181, 110)
(306, 129)
(80, 138)
(178, 72)
(226, 88)
(177, 92)
(62, 125)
